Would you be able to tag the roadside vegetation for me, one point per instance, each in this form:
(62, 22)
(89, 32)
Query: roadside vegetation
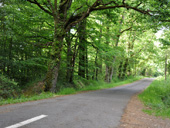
(93, 85)
(157, 97)
(59, 47)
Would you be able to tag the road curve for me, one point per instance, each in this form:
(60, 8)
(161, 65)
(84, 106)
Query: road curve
(95, 109)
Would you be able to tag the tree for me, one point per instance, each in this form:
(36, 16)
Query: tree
(21, 58)
(63, 21)
(166, 43)
(82, 49)
(48, 35)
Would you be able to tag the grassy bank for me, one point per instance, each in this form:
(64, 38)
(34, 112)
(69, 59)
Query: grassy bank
(94, 85)
(157, 98)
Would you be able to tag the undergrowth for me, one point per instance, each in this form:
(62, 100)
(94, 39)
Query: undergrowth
(23, 98)
(80, 86)
(157, 98)
(8, 88)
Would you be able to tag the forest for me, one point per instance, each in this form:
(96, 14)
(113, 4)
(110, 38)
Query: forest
(48, 45)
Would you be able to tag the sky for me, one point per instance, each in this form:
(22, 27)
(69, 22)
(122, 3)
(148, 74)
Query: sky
(158, 34)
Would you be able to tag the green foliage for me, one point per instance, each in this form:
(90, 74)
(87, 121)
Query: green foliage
(94, 85)
(157, 97)
(22, 34)
(8, 88)
(66, 91)
(164, 42)
(79, 83)
(23, 98)
(111, 43)
(34, 87)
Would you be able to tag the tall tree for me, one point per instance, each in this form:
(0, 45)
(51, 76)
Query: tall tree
(82, 49)
(63, 21)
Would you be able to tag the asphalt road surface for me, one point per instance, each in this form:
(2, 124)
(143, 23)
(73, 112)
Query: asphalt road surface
(95, 109)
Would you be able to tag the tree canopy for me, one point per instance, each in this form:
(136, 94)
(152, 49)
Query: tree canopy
(63, 41)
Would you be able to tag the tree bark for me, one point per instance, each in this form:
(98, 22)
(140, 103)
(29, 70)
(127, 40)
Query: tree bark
(54, 65)
(75, 51)
(82, 49)
(71, 57)
(96, 64)
(124, 70)
(9, 57)
(107, 74)
(86, 61)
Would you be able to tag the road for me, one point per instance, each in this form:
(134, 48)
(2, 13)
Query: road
(95, 109)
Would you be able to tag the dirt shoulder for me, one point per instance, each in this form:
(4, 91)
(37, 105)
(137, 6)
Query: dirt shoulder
(134, 117)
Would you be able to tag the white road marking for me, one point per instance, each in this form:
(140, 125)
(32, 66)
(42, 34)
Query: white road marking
(27, 121)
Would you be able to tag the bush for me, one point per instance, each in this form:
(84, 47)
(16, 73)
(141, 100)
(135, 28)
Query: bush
(8, 88)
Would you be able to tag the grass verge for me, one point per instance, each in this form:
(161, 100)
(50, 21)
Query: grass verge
(94, 85)
(157, 98)
(23, 98)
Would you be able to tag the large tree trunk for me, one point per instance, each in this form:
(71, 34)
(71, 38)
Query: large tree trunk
(82, 68)
(54, 64)
(82, 49)
(124, 70)
(73, 60)
(53, 69)
(120, 70)
(96, 64)
(107, 74)
(9, 57)
(71, 57)
(59, 16)
(86, 61)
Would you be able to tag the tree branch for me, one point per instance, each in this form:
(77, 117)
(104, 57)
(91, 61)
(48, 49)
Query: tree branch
(165, 20)
(39, 37)
(126, 30)
(40, 6)
(40, 45)
(97, 6)
(77, 10)
(52, 8)
(64, 5)
(73, 20)
(122, 6)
